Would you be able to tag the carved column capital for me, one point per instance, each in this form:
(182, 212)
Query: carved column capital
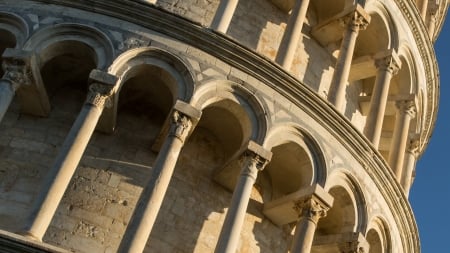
(413, 145)
(180, 125)
(311, 209)
(357, 19)
(406, 107)
(388, 61)
(101, 89)
(17, 69)
(254, 159)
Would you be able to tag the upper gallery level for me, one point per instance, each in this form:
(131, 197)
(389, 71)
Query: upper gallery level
(364, 57)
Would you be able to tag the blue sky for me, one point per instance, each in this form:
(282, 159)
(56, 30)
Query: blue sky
(430, 193)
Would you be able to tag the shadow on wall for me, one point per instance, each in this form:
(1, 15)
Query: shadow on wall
(256, 24)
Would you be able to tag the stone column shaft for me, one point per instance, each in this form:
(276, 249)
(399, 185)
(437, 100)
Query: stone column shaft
(292, 34)
(410, 164)
(151, 199)
(311, 212)
(7, 92)
(356, 21)
(224, 14)
(254, 161)
(406, 111)
(387, 66)
(69, 156)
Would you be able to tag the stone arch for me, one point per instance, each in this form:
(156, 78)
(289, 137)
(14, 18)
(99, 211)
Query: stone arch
(378, 236)
(162, 76)
(66, 54)
(256, 121)
(381, 34)
(297, 160)
(13, 32)
(406, 81)
(348, 214)
(42, 41)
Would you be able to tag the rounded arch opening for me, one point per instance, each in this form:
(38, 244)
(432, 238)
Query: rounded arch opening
(297, 161)
(342, 217)
(7, 40)
(256, 120)
(374, 241)
(376, 37)
(378, 237)
(67, 64)
(93, 38)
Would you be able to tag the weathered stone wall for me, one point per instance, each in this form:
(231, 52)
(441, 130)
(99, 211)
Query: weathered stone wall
(97, 206)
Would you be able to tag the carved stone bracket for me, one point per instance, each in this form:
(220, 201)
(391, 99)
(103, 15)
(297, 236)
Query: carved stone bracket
(254, 159)
(311, 209)
(180, 125)
(413, 145)
(17, 69)
(356, 20)
(101, 88)
(406, 107)
(388, 61)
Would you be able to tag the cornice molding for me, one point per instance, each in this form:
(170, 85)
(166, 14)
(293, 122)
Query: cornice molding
(273, 75)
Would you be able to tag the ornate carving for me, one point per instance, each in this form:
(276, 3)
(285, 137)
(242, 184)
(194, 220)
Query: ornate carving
(407, 107)
(387, 63)
(310, 209)
(99, 95)
(132, 43)
(180, 125)
(252, 163)
(413, 145)
(17, 71)
(355, 21)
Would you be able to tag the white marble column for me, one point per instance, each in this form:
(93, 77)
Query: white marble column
(406, 111)
(410, 163)
(357, 20)
(387, 64)
(17, 72)
(254, 160)
(182, 120)
(224, 14)
(311, 210)
(291, 36)
(59, 176)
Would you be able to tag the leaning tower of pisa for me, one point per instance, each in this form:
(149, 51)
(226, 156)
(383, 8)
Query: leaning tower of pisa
(222, 126)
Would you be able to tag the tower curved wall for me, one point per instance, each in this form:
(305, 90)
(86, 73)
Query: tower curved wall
(193, 122)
